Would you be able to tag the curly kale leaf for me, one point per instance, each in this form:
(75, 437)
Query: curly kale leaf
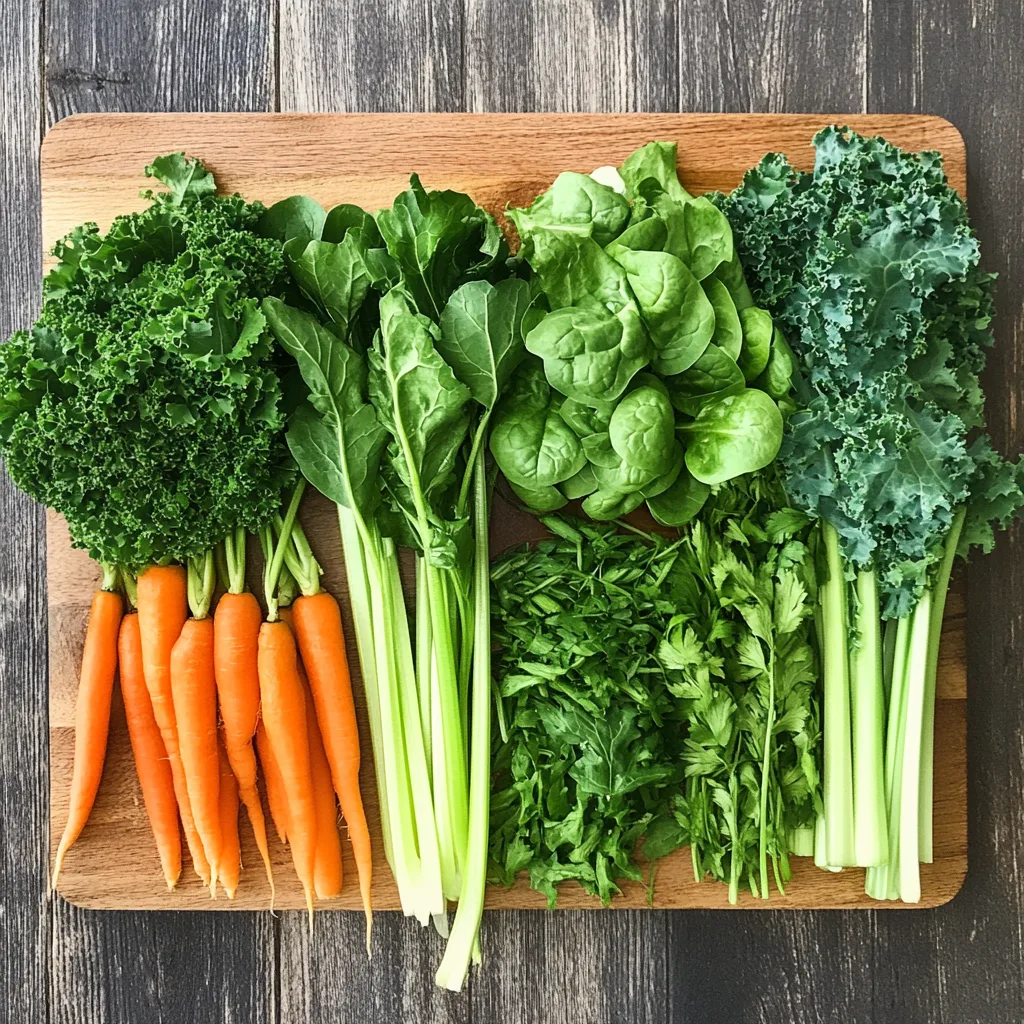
(870, 266)
(145, 404)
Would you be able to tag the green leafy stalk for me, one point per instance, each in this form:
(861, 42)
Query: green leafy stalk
(838, 780)
(464, 936)
(939, 590)
(202, 582)
(868, 715)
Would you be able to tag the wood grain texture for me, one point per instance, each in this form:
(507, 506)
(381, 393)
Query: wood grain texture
(132, 968)
(157, 55)
(370, 55)
(571, 56)
(24, 914)
(88, 172)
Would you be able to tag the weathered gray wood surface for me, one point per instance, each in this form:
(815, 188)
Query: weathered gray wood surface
(961, 963)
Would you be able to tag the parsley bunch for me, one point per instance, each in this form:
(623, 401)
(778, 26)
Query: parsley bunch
(145, 404)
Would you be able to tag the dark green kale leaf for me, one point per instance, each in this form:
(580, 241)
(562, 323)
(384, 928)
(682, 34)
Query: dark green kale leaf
(870, 266)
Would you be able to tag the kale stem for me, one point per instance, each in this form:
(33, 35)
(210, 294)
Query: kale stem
(939, 591)
(867, 711)
(838, 781)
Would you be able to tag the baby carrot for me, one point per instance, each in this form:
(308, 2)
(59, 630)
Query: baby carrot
(284, 714)
(151, 762)
(163, 609)
(230, 862)
(92, 711)
(194, 696)
(322, 643)
(235, 653)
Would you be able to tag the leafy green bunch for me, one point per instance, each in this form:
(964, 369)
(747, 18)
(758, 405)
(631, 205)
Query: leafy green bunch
(870, 266)
(657, 689)
(654, 376)
(738, 653)
(145, 404)
(590, 754)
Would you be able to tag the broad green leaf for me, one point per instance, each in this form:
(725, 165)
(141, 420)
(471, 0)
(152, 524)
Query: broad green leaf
(641, 430)
(334, 279)
(575, 203)
(187, 178)
(297, 217)
(482, 335)
(337, 439)
(590, 355)
(728, 334)
(439, 240)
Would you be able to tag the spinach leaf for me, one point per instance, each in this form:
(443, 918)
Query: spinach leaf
(676, 464)
(580, 485)
(482, 329)
(333, 277)
(678, 315)
(297, 217)
(681, 502)
(530, 441)
(612, 504)
(641, 430)
(728, 334)
(590, 354)
(440, 240)
(777, 377)
(420, 401)
(576, 271)
(733, 435)
(656, 160)
(613, 472)
(587, 419)
(714, 375)
(540, 499)
(757, 340)
(575, 203)
(346, 219)
(337, 439)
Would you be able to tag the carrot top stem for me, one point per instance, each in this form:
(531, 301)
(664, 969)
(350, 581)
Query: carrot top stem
(130, 586)
(233, 551)
(299, 558)
(111, 577)
(202, 581)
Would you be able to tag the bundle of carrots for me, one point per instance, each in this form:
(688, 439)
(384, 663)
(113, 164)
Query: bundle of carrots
(201, 686)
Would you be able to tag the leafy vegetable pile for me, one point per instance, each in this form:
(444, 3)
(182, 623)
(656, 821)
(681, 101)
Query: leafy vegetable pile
(144, 405)
(659, 689)
(655, 374)
(871, 267)
(406, 329)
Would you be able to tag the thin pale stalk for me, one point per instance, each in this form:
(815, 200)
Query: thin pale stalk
(838, 780)
(867, 709)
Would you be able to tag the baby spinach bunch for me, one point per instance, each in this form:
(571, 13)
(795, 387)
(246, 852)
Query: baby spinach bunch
(654, 375)
(145, 404)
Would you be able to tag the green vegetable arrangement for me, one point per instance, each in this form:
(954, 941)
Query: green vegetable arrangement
(406, 329)
(654, 375)
(870, 266)
(658, 689)
(145, 404)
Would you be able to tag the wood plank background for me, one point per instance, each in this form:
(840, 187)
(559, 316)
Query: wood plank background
(957, 58)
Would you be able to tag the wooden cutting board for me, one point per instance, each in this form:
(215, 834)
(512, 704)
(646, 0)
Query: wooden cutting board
(92, 169)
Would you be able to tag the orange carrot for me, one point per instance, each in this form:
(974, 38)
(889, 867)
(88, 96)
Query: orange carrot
(163, 609)
(328, 866)
(195, 711)
(322, 643)
(230, 862)
(151, 762)
(235, 650)
(275, 784)
(92, 714)
(284, 713)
